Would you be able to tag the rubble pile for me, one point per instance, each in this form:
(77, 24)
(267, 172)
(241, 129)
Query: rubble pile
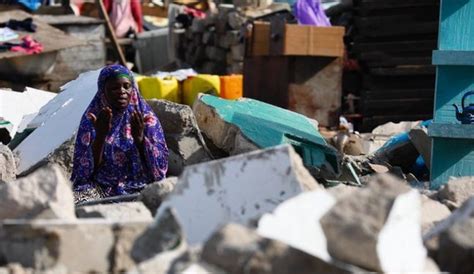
(214, 44)
(241, 203)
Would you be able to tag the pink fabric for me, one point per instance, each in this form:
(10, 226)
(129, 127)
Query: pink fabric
(121, 17)
(29, 46)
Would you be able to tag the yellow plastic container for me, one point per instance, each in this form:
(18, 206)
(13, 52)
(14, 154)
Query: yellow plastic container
(152, 87)
(202, 83)
(232, 86)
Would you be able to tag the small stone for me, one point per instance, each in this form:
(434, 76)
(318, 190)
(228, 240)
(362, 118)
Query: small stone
(154, 194)
(7, 164)
(44, 194)
(131, 211)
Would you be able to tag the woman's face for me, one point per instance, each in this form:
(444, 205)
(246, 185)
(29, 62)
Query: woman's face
(118, 92)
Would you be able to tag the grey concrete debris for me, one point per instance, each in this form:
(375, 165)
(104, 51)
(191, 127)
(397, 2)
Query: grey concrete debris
(183, 136)
(154, 194)
(457, 248)
(366, 221)
(238, 249)
(125, 235)
(422, 142)
(223, 135)
(432, 237)
(163, 235)
(432, 212)
(236, 189)
(47, 243)
(44, 194)
(63, 156)
(7, 164)
(236, 20)
(130, 211)
(456, 192)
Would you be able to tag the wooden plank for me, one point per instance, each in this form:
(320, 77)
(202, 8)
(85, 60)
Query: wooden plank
(398, 82)
(398, 94)
(267, 79)
(399, 29)
(453, 57)
(111, 33)
(300, 40)
(394, 107)
(404, 71)
(453, 131)
(395, 46)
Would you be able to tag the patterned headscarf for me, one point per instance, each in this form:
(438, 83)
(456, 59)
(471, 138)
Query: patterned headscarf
(122, 171)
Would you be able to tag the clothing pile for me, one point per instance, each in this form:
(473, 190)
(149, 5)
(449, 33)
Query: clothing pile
(27, 44)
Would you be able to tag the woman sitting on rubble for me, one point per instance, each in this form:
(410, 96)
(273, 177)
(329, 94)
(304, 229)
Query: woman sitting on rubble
(120, 146)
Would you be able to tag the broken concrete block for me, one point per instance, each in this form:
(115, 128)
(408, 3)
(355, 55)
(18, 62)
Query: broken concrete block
(63, 112)
(422, 142)
(229, 39)
(63, 156)
(391, 129)
(457, 248)
(20, 104)
(237, 249)
(183, 136)
(236, 189)
(381, 223)
(43, 244)
(7, 164)
(164, 234)
(431, 238)
(216, 54)
(295, 222)
(125, 235)
(161, 263)
(236, 20)
(236, 126)
(131, 211)
(154, 194)
(341, 191)
(44, 194)
(198, 26)
(456, 191)
(432, 212)
(238, 52)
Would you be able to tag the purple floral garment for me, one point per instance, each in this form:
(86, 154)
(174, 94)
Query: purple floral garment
(122, 170)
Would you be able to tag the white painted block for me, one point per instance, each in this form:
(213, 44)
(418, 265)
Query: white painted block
(14, 105)
(296, 223)
(237, 189)
(58, 120)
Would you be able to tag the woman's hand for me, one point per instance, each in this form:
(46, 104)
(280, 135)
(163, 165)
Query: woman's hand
(102, 123)
(138, 127)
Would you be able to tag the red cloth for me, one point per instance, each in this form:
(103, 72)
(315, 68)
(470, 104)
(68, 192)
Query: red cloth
(136, 7)
(29, 46)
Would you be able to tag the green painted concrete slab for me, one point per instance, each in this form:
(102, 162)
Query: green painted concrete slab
(267, 126)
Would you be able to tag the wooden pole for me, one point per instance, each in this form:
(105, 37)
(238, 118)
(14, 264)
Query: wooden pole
(110, 30)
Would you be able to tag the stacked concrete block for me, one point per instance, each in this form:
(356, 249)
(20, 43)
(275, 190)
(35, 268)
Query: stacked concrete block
(215, 44)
